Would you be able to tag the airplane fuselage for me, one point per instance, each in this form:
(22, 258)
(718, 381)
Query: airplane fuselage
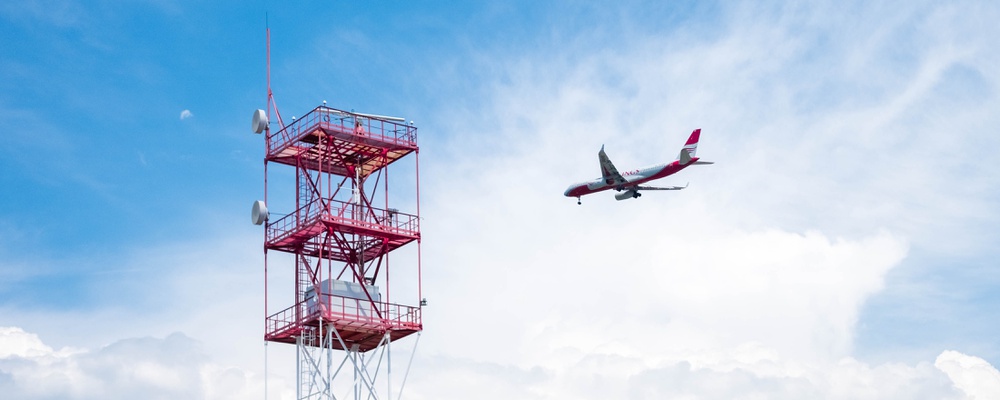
(634, 178)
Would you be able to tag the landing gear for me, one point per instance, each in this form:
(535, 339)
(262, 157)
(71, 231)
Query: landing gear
(578, 201)
(636, 195)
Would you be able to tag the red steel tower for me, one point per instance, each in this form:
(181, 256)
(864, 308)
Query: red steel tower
(338, 235)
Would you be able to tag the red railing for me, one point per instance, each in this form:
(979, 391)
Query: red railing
(304, 216)
(346, 310)
(344, 213)
(345, 122)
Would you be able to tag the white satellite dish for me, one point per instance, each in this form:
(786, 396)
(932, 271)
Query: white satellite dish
(259, 214)
(259, 122)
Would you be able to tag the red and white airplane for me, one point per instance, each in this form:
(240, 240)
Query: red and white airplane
(629, 183)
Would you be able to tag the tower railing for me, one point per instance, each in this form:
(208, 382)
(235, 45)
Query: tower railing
(346, 311)
(343, 213)
(344, 123)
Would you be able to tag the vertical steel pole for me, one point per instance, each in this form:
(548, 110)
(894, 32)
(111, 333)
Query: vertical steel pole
(420, 285)
(267, 146)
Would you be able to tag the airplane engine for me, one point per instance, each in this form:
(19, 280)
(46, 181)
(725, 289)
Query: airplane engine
(631, 194)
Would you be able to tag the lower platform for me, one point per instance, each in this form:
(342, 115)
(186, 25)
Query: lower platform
(359, 323)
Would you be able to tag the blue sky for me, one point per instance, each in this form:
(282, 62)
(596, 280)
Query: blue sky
(848, 228)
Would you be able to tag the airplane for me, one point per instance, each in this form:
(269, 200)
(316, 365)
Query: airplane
(630, 183)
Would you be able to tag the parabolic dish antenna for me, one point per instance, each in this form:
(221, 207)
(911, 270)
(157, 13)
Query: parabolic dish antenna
(259, 122)
(259, 214)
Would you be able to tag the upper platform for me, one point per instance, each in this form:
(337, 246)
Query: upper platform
(331, 140)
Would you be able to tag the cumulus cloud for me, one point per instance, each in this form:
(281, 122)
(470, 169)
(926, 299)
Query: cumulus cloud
(601, 376)
(15, 341)
(177, 367)
(169, 368)
(973, 375)
(186, 114)
(224, 366)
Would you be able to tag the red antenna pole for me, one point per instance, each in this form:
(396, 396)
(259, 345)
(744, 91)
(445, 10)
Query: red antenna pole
(270, 95)
(267, 139)
(267, 134)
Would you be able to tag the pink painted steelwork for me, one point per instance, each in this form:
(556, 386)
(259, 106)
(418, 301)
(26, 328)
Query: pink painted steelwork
(335, 237)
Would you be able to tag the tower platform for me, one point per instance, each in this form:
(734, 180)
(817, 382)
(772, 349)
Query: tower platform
(300, 229)
(330, 140)
(357, 322)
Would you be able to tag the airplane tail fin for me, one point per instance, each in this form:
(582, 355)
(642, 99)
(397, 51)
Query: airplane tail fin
(690, 147)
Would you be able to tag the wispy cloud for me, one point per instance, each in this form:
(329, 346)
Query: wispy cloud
(63, 14)
(186, 114)
(762, 266)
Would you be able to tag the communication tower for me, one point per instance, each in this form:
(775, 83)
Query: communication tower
(338, 235)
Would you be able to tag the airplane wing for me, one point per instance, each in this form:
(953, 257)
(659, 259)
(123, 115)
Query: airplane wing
(661, 188)
(608, 170)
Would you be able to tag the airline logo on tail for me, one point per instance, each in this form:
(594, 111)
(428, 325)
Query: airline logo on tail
(690, 148)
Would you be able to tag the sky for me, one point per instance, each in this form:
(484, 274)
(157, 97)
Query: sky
(843, 246)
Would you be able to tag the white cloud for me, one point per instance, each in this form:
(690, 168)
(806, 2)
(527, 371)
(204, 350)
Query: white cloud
(178, 367)
(210, 290)
(601, 376)
(746, 285)
(16, 342)
(973, 375)
(186, 114)
(169, 368)
(755, 276)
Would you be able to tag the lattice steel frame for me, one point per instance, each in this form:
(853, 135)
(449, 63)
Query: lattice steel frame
(341, 229)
